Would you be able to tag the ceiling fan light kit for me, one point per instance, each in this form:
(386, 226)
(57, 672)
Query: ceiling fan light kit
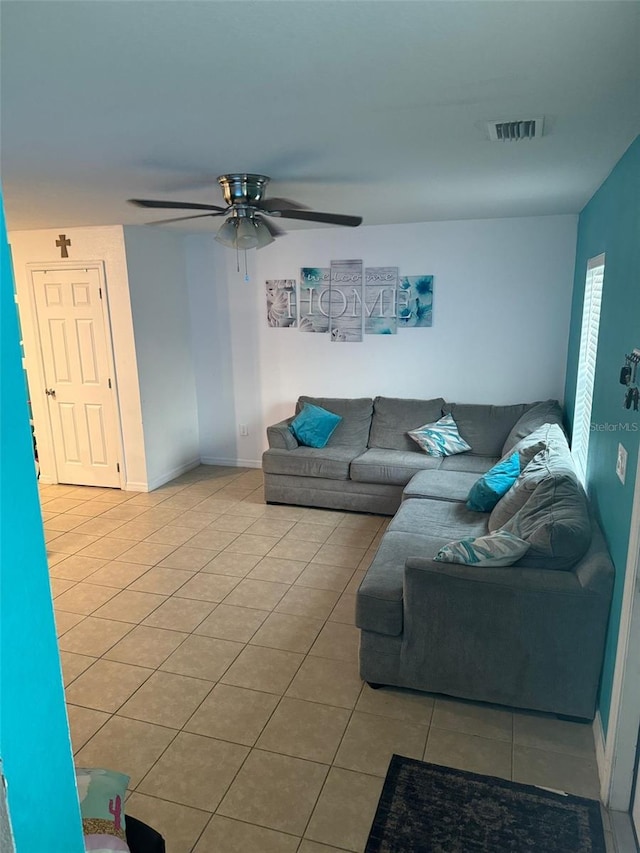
(244, 232)
(246, 228)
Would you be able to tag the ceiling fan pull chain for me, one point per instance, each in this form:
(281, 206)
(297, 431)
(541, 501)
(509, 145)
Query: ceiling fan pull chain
(246, 272)
(237, 258)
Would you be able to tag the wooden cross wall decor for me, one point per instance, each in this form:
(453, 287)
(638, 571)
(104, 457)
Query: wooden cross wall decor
(62, 244)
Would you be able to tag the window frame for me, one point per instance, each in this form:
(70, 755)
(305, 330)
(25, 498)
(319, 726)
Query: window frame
(587, 363)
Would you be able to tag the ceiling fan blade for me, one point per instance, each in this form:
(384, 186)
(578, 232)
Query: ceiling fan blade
(316, 216)
(280, 204)
(181, 218)
(175, 205)
(270, 226)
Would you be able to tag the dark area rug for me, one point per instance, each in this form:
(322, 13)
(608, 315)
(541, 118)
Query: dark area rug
(425, 808)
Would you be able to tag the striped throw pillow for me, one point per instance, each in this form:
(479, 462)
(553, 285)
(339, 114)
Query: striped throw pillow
(496, 549)
(440, 438)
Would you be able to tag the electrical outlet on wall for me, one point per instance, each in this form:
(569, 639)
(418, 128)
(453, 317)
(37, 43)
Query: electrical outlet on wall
(621, 463)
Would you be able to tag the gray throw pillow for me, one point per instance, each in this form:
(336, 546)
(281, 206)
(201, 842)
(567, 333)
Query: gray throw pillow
(537, 415)
(535, 464)
(555, 522)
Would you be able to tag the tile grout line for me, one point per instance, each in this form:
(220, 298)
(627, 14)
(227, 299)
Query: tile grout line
(326, 620)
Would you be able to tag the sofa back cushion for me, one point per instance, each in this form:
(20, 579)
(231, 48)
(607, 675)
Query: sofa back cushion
(544, 412)
(543, 452)
(485, 428)
(393, 417)
(353, 429)
(555, 522)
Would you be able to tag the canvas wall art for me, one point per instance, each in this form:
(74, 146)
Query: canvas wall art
(415, 301)
(282, 309)
(314, 299)
(345, 301)
(380, 285)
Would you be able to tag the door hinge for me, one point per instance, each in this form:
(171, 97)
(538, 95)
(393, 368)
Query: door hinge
(118, 467)
(109, 381)
(100, 292)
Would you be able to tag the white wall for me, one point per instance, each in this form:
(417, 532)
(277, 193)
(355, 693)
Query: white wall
(502, 300)
(213, 350)
(104, 244)
(156, 268)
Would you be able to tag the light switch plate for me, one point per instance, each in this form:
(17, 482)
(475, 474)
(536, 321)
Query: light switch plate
(621, 463)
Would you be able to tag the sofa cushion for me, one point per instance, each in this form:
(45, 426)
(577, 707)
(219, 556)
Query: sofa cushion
(547, 433)
(394, 417)
(494, 549)
(353, 429)
(314, 426)
(396, 467)
(555, 456)
(469, 462)
(555, 522)
(442, 521)
(487, 491)
(485, 428)
(420, 528)
(440, 485)
(544, 412)
(440, 438)
(329, 462)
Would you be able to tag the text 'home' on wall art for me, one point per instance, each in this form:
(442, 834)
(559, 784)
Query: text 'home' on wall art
(346, 300)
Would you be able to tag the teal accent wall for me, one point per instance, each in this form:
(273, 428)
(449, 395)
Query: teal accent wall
(610, 223)
(34, 734)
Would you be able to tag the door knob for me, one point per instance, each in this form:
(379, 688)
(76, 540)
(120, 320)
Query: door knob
(50, 392)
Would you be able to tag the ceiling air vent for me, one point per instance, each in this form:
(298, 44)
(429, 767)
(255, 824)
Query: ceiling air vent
(513, 131)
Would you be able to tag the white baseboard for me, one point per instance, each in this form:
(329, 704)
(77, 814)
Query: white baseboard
(231, 463)
(171, 475)
(47, 480)
(604, 771)
(131, 486)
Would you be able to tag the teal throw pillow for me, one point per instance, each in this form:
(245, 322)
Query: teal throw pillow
(440, 438)
(101, 794)
(487, 491)
(314, 426)
(495, 549)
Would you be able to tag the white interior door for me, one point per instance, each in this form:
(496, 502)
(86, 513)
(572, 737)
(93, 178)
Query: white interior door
(76, 355)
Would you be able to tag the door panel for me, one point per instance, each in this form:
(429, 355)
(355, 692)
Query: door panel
(76, 358)
(98, 453)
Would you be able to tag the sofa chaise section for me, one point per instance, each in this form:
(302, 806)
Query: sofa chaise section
(516, 636)
(530, 635)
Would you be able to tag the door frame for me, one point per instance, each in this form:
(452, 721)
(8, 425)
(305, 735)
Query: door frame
(42, 423)
(621, 744)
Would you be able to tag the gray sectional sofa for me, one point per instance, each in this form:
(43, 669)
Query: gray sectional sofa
(529, 635)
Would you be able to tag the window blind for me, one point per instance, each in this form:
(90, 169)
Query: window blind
(587, 364)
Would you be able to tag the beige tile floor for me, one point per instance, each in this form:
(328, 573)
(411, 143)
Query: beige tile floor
(209, 651)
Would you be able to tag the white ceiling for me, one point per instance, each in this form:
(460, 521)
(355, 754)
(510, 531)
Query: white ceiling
(351, 106)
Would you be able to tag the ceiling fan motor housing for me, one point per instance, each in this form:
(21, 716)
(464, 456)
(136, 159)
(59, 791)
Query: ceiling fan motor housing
(243, 188)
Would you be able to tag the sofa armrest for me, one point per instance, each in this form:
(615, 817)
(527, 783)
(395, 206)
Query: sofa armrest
(514, 578)
(280, 436)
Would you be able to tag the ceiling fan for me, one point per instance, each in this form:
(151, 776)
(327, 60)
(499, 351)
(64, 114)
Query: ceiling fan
(247, 226)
